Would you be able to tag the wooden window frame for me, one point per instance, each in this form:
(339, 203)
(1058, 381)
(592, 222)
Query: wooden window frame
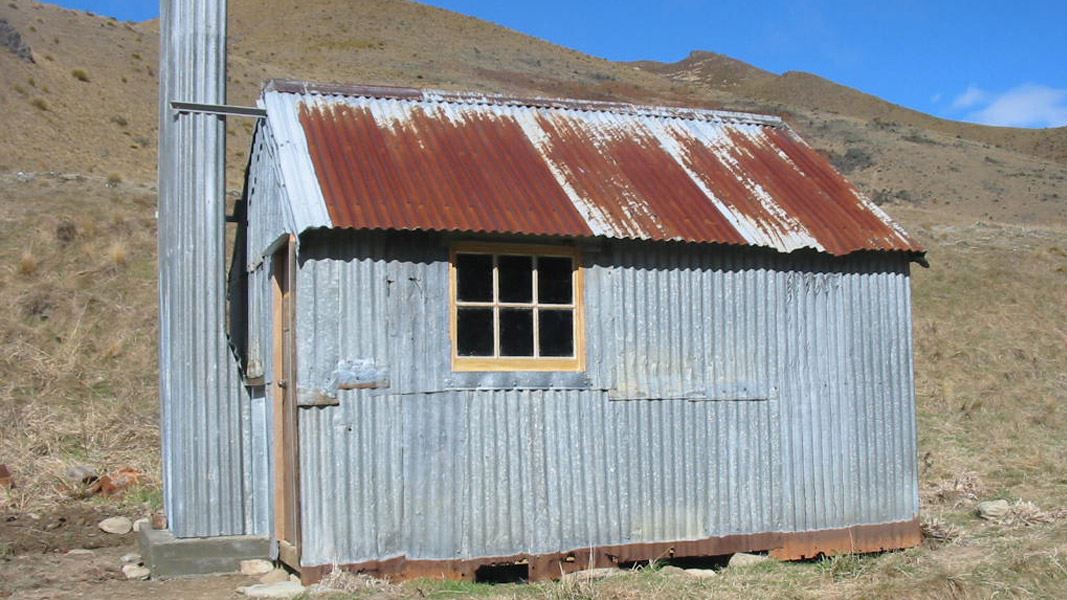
(574, 363)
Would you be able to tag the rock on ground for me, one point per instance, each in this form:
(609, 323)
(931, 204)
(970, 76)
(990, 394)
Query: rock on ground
(744, 559)
(694, 573)
(275, 576)
(256, 567)
(672, 570)
(135, 571)
(142, 523)
(593, 574)
(82, 474)
(116, 525)
(284, 589)
(131, 558)
(992, 510)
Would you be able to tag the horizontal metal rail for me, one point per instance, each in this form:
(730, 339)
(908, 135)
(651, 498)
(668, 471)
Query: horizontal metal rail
(224, 110)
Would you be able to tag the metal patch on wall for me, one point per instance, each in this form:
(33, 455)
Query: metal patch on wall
(356, 374)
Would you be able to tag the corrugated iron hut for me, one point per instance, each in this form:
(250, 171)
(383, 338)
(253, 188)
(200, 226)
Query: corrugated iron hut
(479, 330)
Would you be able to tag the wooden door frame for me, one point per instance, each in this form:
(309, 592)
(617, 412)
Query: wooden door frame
(287, 526)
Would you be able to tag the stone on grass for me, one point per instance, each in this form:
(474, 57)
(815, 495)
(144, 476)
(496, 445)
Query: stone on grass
(744, 559)
(593, 574)
(282, 589)
(256, 567)
(135, 572)
(131, 558)
(671, 570)
(116, 525)
(142, 523)
(993, 510)
(275, 576)
(82, 474)
(702, 573)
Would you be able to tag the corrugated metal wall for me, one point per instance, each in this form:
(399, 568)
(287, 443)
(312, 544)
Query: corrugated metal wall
(728, 391)
(266, 208)
(205, 412)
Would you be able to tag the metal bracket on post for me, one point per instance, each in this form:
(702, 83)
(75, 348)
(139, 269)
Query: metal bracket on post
(222, 110)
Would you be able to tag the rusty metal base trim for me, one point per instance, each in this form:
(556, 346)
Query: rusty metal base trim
(781, 545)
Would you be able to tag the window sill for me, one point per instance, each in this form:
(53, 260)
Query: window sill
(550, 365)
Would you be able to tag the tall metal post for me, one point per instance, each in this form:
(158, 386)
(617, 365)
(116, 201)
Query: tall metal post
(199, 388)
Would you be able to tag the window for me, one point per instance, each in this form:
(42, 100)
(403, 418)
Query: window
(516, 308)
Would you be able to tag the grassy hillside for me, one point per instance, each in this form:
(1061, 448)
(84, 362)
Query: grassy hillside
(796, 89)
(94, 79)
(77, 237)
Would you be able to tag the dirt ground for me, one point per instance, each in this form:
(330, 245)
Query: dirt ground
(35, 562)
(98, 575)
(72, 527)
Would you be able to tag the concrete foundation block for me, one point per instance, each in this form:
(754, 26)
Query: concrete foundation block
(167, 556)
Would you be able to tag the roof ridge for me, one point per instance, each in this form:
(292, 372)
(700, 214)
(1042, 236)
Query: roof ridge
(291, 86)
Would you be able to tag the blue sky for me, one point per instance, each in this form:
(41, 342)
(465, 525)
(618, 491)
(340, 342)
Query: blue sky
(993, 62)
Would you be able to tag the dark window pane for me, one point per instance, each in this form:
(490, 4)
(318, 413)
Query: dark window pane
(474, 277)
(556, 332)
(474, 332)
(516, 278)
(516, 332)
(554, 280)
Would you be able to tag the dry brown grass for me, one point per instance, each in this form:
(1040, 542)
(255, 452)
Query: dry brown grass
(117, 253)
(77, 371)
(991, 361)
(340, 582)
(27, 263)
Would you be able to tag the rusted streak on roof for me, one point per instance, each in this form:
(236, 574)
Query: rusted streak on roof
(427, 172)
(717, 167)
(806, 186)
(626, 177)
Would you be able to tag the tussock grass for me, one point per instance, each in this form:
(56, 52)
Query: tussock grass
(77, 358)
(117, 253)
(353, 585)
(991, 362)
(27, 263)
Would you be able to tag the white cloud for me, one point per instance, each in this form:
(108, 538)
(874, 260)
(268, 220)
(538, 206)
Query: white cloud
(936, 98)
(971, 97)
(1028, 105)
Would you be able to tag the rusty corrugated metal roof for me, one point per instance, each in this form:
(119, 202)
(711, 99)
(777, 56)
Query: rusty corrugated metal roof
(407, 159)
